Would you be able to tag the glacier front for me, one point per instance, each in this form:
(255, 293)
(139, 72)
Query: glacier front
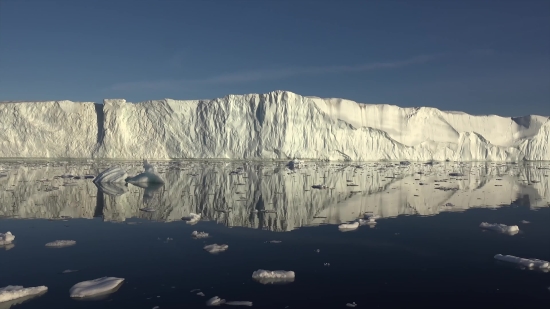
(276, 125)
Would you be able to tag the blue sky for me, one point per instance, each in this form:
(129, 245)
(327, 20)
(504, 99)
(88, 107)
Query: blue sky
(481, 57)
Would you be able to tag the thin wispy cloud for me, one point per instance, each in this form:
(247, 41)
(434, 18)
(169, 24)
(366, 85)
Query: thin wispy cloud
(261, 75)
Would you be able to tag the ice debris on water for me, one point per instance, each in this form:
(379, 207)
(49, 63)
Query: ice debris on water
(352, 305)
(525, 222)
(215, 248)
(215, 301)
(239, 303)
(6, 238)
(501, 228)
(200, 294)
(529, 263)
(197, 234)
(262, 273)
(12, 292)
(95, 287)
(275, 241)
(349, 226)
(67, 271)
(61, 243)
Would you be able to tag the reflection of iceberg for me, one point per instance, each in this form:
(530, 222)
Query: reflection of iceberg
(16, 294)
(112, 174)
(265, 196)
(93, 289)
(150, 189)
(112, 188)
(148, 176)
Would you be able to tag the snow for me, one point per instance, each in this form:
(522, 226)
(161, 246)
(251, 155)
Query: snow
(215, 248)
(61, 243)
(112, 174)
(95, 287)
(530, 263)
(502, 228)
(12, 292)
(275, 125)
(6, 238)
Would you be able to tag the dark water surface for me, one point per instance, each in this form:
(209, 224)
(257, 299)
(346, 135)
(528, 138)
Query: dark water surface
(422, 253)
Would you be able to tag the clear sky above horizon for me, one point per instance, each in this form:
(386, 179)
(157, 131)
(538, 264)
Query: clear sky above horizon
(480, 57)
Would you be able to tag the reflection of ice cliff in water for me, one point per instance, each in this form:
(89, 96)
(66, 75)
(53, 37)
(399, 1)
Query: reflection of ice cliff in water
(269, 195)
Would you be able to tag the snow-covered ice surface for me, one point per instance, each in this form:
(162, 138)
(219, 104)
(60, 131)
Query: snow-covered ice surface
(12, 292)
(501, 228)
(61, 243)
(6, 238)
(96, 287)
(275, 125)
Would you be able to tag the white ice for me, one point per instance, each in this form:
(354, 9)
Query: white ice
(192, 218)
(61, 243)
(199, 234)
(215, 248)
(349, 226)
(501, 228)
(6, 238)
(113, 174)
(12, 292)
(314, 128)
(530, 263)
(148, 176)
(215, 301)
(95, 287)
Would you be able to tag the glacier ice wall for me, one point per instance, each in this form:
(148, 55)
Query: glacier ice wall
(276, 125)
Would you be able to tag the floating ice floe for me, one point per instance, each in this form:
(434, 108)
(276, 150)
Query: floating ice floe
(61, 243)
(215, 248)
(215, 301)
(192, 218)
(148, 176)
(112, 174)
(69, 271)
(525, 222)
(6, 238)
(501, 228)
(349, 226)
(352, 305)
(196, 234)
(273, 276)
(12, 292)
(275, 241)
(530, 263)
(97, 287)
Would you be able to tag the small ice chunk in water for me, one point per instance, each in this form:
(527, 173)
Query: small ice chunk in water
(95, 287)
(12, 292)
(215, 248)
(239, 303)
(215, 301)
(349, 226)
(6, 238)
(199, 234)
(502, 228)
(275, 241)
(69, 271)
(273, 276)
(200, 294)
(352, 305)
(525, 222)
(530, 263)
(61, 243)
(192, 218)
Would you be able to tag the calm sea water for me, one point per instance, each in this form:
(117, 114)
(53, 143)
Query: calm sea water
(426, 250)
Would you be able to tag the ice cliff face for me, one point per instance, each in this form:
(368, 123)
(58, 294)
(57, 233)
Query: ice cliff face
(276, 125)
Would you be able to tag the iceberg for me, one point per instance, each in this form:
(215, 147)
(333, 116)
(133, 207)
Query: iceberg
(12, 292)
(215, 248)
(349, 226)
(198, 235)
(530, 263)
(61, 243)
(273, 276)
(111, 175)
(149, 176)
(276, 125)
(501, 228)
(97, 287)
(215, 301)
(6, 238)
